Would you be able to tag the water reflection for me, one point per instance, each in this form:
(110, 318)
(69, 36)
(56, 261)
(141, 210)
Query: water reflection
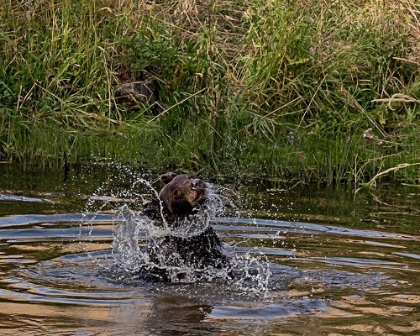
(339, 264)
(179, 315)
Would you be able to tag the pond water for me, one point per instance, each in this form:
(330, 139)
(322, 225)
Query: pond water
(329, 262)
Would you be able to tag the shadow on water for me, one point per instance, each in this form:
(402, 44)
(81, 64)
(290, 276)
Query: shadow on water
(328, 262)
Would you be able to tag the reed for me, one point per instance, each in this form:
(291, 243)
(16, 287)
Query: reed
(308, 90)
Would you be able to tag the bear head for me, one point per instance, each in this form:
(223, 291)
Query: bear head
(181, 194)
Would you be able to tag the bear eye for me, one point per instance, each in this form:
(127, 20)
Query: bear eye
(175, 191)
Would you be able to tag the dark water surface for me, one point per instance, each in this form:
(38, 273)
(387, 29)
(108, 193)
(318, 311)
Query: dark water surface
(332, 263)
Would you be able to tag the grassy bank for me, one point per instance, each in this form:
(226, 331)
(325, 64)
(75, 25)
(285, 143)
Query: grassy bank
(325, 91)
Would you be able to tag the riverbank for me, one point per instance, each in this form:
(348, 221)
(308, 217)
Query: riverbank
(309, 90)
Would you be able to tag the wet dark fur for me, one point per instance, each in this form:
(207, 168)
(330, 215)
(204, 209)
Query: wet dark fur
(180, 198)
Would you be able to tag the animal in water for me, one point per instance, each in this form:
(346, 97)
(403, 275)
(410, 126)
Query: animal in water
(180, 203)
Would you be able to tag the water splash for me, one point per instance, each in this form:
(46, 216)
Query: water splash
(255, 274)
(125, 243)
(131, 227)
(159, 259)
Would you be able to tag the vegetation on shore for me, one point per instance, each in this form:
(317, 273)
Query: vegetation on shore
(316, 90)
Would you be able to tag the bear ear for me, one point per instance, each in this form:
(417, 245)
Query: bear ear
(168, 177)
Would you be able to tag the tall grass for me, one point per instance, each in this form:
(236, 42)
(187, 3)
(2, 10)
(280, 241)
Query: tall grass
(274, 89)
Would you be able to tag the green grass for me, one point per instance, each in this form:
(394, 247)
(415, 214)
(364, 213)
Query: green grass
(235, 79)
